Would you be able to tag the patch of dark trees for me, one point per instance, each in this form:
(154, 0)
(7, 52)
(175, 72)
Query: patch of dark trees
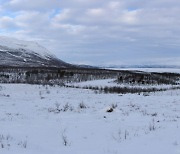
(61, 76)
(58, 76)
(149, 78)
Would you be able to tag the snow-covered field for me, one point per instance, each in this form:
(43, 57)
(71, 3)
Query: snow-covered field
(161, 70)
(37, 119)
(112, 82)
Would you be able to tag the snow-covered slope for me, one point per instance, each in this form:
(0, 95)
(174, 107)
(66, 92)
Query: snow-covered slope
(14, 52)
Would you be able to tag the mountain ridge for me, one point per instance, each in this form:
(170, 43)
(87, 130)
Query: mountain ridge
(20, 53)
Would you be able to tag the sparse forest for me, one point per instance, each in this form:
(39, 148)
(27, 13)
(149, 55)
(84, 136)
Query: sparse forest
(61, 77)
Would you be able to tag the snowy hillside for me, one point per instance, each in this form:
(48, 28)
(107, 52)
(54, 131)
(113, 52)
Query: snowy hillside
(21, 53)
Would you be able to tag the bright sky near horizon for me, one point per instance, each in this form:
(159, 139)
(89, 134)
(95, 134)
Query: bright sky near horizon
(98, 32)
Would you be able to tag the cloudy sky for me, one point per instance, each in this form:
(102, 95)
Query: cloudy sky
(98, 32)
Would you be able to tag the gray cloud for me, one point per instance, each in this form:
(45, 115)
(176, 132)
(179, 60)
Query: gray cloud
(40, 5)
(98, 32)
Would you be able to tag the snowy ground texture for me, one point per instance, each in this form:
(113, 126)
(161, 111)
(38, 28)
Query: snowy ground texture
(37, 119)
(112, 82)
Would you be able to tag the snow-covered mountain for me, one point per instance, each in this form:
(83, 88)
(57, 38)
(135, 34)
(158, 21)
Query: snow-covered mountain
(14, 52)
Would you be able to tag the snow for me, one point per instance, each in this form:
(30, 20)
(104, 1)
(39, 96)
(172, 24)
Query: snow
(161, 70)
(112, 82)
(32, 120)
(29, 46)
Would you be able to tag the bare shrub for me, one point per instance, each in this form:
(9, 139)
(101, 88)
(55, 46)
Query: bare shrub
(67, 107)
(126, 134)
(58, 108)
(114, 106)
(152, 126)
(82, 105)
(120, 135)
(6, 142)
(64, 138)
(23, 144)
(154, 114)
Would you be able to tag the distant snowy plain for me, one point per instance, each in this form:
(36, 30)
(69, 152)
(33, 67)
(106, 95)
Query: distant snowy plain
(36, 119)
(160, 70)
